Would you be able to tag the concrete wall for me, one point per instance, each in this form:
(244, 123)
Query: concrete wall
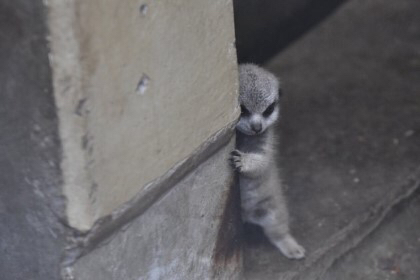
(117, 118)
(191, 233)
(139, 86)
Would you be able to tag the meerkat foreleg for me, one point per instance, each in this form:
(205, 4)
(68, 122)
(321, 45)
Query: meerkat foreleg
(249, 164)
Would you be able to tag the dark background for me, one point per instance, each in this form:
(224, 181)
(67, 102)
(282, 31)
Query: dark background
(263, 28)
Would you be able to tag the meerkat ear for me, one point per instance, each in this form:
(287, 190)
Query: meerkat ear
(280, 92)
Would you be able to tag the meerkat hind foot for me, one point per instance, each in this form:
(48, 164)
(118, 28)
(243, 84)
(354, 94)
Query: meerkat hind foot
(290, 248)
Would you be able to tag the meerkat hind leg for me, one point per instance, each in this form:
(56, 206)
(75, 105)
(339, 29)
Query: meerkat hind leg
(275, 222)
(285, 242)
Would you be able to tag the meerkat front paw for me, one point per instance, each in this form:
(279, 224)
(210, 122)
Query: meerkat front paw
(236, 160)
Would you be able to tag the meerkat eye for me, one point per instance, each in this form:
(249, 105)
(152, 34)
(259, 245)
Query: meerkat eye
(244, 111)
(269, 110)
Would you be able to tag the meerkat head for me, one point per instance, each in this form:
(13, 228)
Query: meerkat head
(259, 99)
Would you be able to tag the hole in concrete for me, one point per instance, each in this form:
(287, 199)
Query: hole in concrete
(143, 84)
(143, 9)
(80, 107)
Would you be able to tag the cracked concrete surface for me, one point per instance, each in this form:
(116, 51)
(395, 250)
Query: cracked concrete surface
(350, 134)
(390, 253)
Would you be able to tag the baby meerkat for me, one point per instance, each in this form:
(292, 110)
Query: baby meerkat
(262, 198)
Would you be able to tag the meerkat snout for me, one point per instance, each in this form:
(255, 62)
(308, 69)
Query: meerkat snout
(257, 127)
(256, 124)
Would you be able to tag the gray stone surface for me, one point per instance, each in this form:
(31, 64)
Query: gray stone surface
(31, 236)
(190, 233)
(390, 253)
(350, 134)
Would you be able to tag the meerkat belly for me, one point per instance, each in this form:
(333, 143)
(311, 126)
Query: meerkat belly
(253, 198)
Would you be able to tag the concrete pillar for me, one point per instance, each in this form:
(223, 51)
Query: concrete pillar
(117, 119)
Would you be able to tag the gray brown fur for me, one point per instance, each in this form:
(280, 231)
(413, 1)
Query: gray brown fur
(262, 199)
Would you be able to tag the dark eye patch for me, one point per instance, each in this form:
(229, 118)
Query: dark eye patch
(244, 111)
(269, 110)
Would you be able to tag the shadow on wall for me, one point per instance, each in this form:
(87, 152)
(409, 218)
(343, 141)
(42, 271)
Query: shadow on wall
(263, 28)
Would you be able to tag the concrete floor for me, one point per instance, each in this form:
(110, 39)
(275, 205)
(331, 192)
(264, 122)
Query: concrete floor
(350, 147)
(391, 252)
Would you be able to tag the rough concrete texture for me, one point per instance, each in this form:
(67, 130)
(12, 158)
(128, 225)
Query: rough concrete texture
(390, 253)
(191, 233)
(350, 133)
(82, 243)
(31, 236)
(138, 93)
(87, 120)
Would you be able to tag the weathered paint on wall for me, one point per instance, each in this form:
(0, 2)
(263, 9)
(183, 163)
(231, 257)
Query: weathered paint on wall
(139, 86)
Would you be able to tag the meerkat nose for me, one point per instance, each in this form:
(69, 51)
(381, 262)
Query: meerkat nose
(257, 127)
